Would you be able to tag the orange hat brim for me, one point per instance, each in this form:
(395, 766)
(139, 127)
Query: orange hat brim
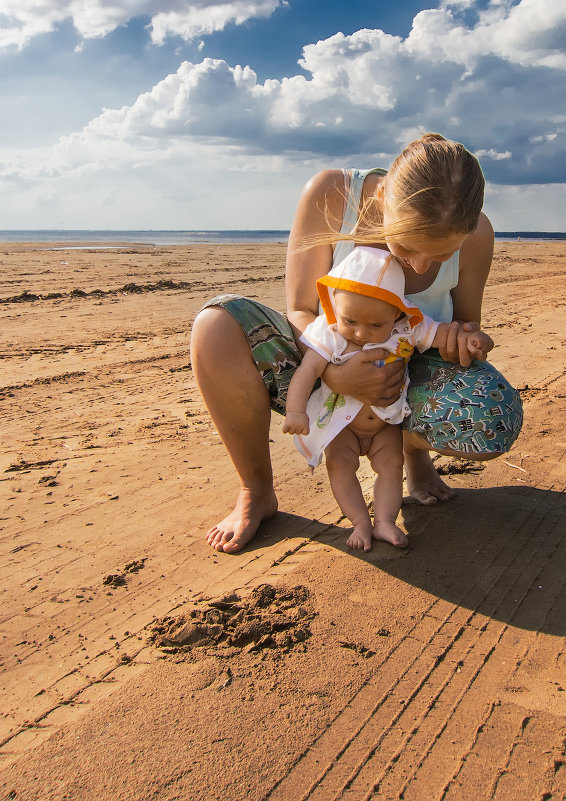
(332, 282)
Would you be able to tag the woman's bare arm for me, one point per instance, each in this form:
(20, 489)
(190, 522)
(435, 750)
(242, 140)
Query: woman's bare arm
(475, 262)
(321, 200)
(321, 207)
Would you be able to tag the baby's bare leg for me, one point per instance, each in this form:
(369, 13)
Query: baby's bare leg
(342, 461)
(386, 458)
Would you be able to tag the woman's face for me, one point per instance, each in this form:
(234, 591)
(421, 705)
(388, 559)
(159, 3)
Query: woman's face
(420, 254)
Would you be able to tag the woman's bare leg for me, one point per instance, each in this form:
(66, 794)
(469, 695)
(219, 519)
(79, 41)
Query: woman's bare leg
(238, 402)
(423, 482)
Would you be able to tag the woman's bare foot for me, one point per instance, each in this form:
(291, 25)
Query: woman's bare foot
(360, 538)
(240, 526)
(423, 482)
(389, 532)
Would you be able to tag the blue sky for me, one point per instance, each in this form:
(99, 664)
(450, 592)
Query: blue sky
(198, 114)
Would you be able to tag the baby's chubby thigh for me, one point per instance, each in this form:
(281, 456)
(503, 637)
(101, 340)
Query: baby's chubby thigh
(386, 449)
(344, 451)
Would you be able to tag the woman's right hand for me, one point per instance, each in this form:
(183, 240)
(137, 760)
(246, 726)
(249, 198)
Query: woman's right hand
(360, 378)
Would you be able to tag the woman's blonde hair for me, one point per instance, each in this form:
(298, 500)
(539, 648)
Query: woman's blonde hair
(433, 189)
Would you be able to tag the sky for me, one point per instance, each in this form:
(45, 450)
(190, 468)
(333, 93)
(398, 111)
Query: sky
(212, 114)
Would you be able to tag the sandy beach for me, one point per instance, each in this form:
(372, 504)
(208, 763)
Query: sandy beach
(136, 663)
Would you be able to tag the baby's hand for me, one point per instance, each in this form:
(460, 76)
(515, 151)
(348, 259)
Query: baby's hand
(296, 423)
(479, 344)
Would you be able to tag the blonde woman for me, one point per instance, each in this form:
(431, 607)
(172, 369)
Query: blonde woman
(426, 211)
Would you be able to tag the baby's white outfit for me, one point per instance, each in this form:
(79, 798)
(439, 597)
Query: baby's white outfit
(375, 273)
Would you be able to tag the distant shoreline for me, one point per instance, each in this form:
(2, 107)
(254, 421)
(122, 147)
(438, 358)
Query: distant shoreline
(178, 237)
(541, 236)
(147, 237)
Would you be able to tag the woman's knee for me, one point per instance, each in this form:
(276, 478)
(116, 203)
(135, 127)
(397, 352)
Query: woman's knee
(216, 337)
(211, 324)
(469, 412)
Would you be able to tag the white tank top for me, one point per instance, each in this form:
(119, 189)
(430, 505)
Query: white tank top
(436, 301)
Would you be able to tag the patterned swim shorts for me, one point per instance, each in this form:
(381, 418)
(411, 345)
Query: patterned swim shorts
(470, 410)
(271, 341)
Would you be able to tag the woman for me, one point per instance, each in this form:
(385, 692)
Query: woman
(426, 210)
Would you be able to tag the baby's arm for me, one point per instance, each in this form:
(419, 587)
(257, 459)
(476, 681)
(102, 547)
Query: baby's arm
(479, 344)
(472, 345)
(300, 388)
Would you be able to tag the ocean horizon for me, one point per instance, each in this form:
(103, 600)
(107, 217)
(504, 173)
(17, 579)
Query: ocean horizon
(145, 237)
(188, 237)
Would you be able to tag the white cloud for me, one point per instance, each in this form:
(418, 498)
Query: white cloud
(361, 97)
(212, 99)
(21, 20)
(187, 185)
(492, 154)
(210, 131)
(199, 18)
(538, 207)
(543, 138)
(530, 33)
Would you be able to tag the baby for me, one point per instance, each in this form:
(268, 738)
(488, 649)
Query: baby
(364, 307)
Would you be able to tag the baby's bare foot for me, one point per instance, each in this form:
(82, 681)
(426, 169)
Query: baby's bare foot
(423, 482)
(389, 532)
(240, 526)
(360, 538)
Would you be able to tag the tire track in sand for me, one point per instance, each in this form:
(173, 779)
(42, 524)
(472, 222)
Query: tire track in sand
(424, 716)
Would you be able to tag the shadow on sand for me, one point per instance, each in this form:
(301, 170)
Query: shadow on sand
(500, 551)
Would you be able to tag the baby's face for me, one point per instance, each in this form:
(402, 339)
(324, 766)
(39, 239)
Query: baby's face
(362, 320)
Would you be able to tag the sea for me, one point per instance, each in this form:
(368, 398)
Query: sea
(103, 238)
(144, 237)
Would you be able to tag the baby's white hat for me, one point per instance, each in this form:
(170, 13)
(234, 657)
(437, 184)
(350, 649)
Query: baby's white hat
(367, 271)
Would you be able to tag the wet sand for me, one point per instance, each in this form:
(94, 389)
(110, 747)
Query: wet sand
(136, 663)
